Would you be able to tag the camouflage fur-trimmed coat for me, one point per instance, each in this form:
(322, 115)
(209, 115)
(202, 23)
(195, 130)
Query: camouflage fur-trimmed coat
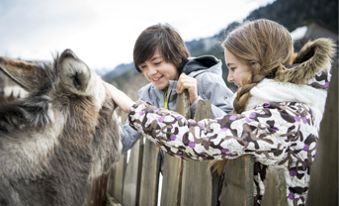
(279, 126)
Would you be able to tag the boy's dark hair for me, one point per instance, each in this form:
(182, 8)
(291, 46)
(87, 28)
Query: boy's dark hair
(163, 38)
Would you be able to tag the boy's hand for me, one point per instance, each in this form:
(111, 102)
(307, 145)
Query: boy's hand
(189, 83)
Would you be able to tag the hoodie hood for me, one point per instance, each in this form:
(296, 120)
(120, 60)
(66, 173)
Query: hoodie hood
(270, 90)
(197, 65)
(314, 58)
(306, 82)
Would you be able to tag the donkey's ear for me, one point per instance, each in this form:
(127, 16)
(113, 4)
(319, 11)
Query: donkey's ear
(29, 75)
(74, 74)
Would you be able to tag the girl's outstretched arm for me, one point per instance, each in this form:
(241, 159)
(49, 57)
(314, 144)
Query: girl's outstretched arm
(265, 132)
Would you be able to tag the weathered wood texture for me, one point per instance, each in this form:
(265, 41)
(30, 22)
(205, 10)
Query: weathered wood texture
(197, 178)
(173, 166)
(238, 182)
(150, 174)
(324, 177)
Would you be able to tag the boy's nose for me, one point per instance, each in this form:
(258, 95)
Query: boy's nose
(152, 71)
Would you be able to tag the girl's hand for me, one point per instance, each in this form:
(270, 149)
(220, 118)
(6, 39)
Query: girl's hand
(120, 98)
(189, 83)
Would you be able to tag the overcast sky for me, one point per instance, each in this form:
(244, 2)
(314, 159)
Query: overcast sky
(103, 32)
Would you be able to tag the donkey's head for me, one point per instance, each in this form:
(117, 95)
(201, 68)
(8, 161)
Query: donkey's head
(57, 142)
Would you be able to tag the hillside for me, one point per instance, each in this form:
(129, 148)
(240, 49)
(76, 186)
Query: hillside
(290, 13)
(294, 13)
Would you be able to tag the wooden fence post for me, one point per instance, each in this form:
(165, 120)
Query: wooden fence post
(324, 172)
(197, 179)
(275, 188)
(150, 174)
(131, 187)
(238, 182)
(172, 173)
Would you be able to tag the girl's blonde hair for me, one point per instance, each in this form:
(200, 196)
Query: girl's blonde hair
(265, 46)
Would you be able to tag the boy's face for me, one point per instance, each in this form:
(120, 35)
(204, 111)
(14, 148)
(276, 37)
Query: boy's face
(158, 71)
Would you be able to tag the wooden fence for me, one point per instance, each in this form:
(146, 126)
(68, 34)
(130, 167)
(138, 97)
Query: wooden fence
(189, 182)
(136, 182)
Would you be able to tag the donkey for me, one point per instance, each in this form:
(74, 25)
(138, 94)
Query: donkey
(56, 144)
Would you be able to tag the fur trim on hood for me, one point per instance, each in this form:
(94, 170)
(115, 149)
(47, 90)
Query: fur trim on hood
(314, 57)
(306, 81)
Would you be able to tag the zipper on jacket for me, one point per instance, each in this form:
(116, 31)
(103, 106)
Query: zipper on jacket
(167, 95)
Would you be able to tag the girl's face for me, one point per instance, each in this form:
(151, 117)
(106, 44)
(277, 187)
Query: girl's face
(158, 71)
(237, 70)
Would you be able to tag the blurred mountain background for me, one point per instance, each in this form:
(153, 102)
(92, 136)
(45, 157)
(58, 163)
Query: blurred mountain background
(305, 19)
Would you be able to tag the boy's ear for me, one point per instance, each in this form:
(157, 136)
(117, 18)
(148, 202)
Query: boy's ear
(28, 75)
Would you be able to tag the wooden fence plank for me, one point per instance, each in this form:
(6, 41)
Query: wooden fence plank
(238, 182)
(172, 174)
(324, 173)
(197, 172)
(196, 184)
(170, 193)
(132, 177)
(275, 188)
(150, 174)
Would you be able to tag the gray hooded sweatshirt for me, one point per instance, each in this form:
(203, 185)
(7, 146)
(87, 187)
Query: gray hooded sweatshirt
(207, 70)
